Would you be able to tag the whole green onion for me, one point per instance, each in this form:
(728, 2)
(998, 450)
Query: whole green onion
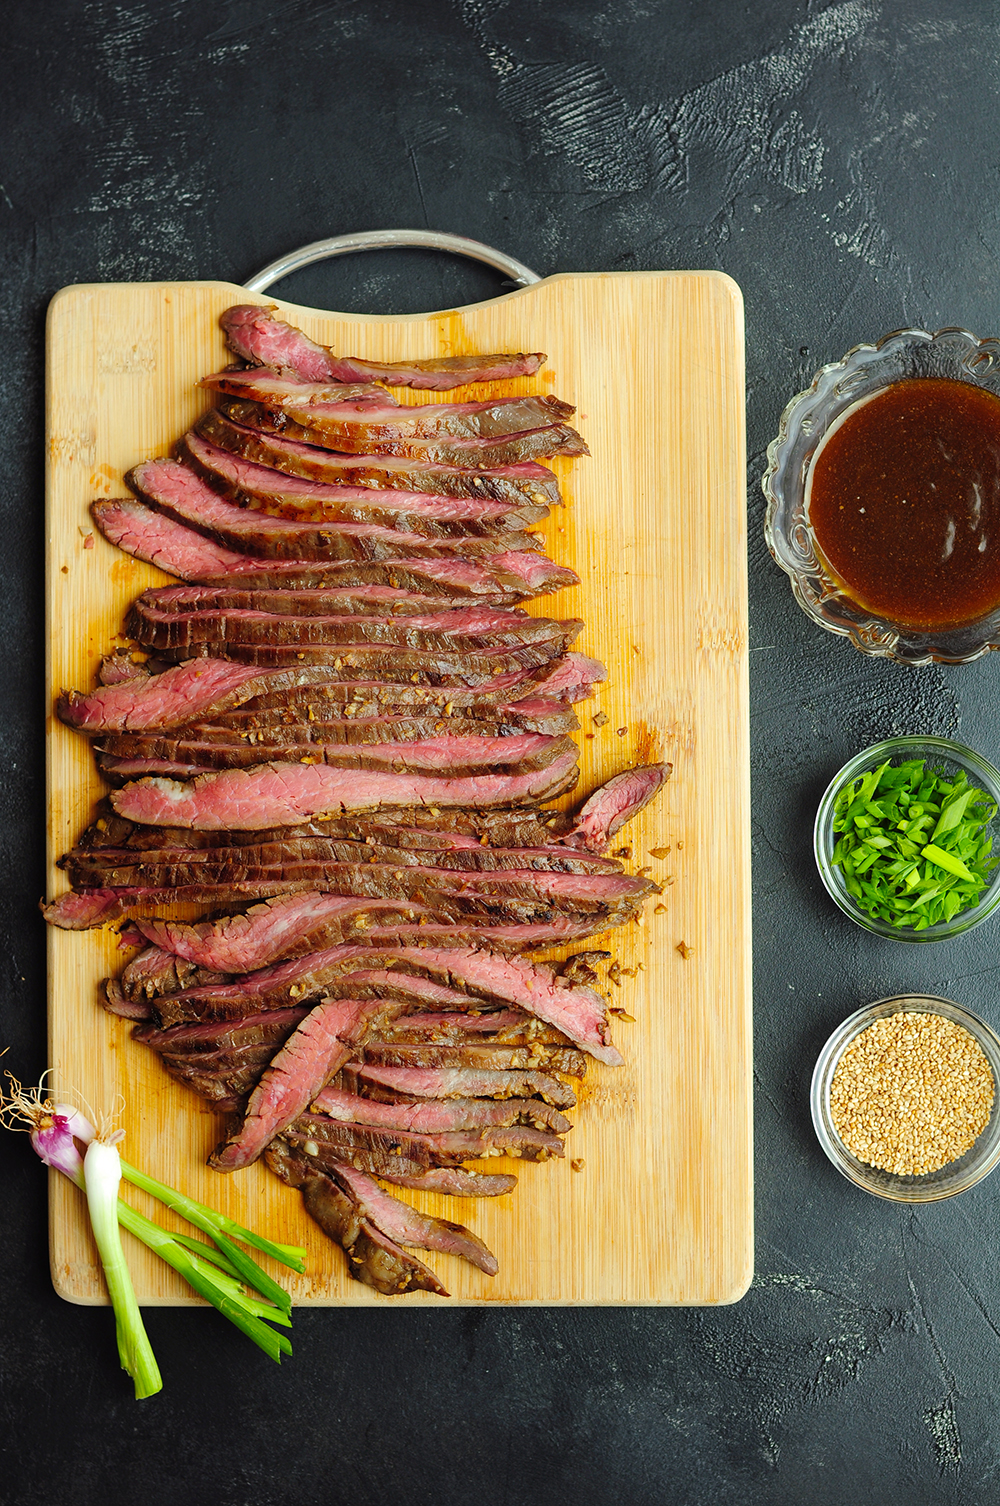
(222, 1273)
(101, 1175)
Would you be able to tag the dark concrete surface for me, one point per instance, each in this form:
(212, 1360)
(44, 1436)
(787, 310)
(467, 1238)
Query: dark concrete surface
(841, 162)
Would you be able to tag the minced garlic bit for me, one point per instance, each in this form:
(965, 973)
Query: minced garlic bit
(911, 1093)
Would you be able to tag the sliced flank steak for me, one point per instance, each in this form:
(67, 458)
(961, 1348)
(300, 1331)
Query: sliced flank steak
(291, 925)
(256, 335)
(307, 425)
(616, 802)
(577, 1011)
(453, 1181)
(149, 535)
(236, 427)
(430, 1117)
(88, 867)
(419, 827)
(275, 728)
(158, 971)
(264, 489)
(259, 384)
(176, 490)
(465, 1082)
(478, 1054)
(408, 1226)
(456, 629)
(311, 1055)
(585, 904)
(360, 601)
(206, 686)
(446, 755)
(374, 416)
(283, 794)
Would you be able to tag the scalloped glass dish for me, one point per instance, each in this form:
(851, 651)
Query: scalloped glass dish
(906, 354)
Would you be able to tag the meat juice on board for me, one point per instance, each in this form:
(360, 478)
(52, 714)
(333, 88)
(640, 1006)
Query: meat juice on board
(903, 499)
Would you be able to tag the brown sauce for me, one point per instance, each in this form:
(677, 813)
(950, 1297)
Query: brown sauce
(904, 503)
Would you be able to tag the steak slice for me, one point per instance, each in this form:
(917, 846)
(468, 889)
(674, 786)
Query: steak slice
(269, 1028)
(472, 629)
(467, 1082)
(293, 925)
(430, 1117)
(315, 1051)
(378, 417)
(307, 425)
(96, 907)
(616, 802)
(380, 661)
(505, 1027)
(455, 1181)
(89, 867)
(176, 490)
(149, 535)
(256, 335)
(335, 1142)
(158, 971)
(363, 601)
(261, 385)
(524, 895)
(281, 794)
(524, 574)
(373, 1258)
(177, 696)
(433, 829)
(478, 1055)
(408, 1226)
(277, 728)
(446, 756)
(271, 491)
(241, 428)
(225, 1089)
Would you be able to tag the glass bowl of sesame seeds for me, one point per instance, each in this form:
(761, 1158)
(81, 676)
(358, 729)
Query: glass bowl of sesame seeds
(904, 1099)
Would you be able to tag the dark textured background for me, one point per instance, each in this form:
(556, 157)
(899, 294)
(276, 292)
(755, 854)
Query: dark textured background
(841, 162)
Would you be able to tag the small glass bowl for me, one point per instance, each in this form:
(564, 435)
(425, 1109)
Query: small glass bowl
(969, 1169)
(950, 354)
(942, 754)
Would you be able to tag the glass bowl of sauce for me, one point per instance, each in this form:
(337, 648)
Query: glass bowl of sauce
(883, 493)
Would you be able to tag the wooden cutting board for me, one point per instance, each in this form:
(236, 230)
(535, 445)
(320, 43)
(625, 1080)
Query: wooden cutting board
(653, 1203)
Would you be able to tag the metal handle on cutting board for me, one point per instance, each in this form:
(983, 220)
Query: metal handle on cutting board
(378, 240)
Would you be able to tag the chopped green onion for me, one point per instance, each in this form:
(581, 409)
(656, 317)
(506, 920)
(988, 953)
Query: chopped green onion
(912, 844)
(947, 861)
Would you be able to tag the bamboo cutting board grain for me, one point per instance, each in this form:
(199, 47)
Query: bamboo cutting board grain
(660, 1211)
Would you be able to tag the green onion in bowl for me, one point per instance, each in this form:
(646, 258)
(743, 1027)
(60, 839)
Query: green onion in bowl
(904, 839)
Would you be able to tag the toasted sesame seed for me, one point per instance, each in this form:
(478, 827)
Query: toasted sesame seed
(911, 1093)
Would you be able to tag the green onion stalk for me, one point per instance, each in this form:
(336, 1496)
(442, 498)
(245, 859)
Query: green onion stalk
(221, 1272)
